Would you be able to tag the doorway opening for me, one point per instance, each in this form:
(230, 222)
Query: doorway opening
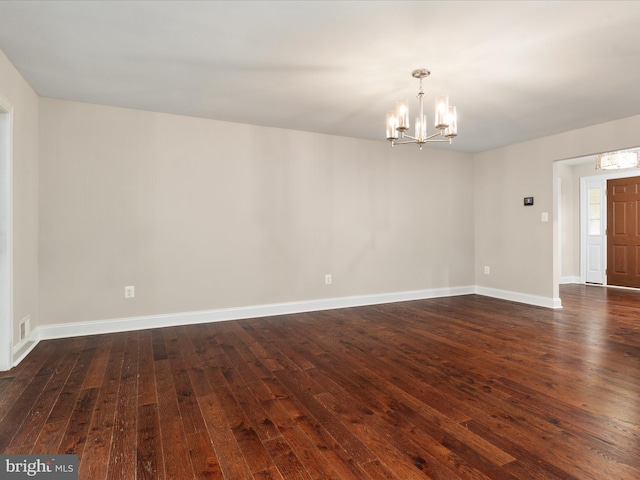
(582, 239)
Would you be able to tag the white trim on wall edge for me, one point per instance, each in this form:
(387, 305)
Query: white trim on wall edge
(536, 300)
(23, 349)
(6, 270)
(66, 330)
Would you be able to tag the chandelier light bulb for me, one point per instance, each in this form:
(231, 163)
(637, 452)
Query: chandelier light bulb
(402, 113)
(392, 126)
(452, 119)
(442, 112)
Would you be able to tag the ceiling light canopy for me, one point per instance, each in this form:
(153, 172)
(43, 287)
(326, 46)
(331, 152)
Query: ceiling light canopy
(617, 160)
(445, 119)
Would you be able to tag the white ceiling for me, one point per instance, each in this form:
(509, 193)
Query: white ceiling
(515, 70)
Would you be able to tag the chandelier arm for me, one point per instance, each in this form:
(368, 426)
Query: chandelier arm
(420, 142)
(414, 139)
(433, 135)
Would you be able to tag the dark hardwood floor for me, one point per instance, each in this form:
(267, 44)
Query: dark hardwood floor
(454, 388)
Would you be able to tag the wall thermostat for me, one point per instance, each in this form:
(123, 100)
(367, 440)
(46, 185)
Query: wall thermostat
(528, 201)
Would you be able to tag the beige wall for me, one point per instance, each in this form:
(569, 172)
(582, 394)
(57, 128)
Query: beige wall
(15, 90)
(510, 238)
(201, 214)
(521, 250)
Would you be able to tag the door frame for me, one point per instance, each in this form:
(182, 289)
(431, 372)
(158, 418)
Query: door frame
(583, 215)
(6, 235)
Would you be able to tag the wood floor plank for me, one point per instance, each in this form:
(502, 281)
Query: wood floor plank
(21, 379)
(23, 410)
(203, 457)
(261, 421)
(75, 436)
(249, 442)
(286, 460)
(194, 353)
(149, 458)
(177, 461)
(159, 347)
(306, 438)
(392, 446)
(4, 383)
(533, 468)
(282, 416)
(192, 421)
(611, 431)
(95, 374)
(251, 367)
(54, 429)
(95, 454)
(305, 395)
(398, 408)
(146, 377)
(71, 389)
(43, 404)
(269, 474)
(232, 461)
(122, 458)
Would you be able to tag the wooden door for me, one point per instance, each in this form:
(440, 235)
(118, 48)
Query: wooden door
(623, 232)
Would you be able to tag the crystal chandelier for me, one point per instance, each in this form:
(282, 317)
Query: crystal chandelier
(617, 160)
(445, 119)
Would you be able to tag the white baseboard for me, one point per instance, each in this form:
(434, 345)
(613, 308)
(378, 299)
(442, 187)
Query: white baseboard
(66, 330)
(536, 300)
(21, 350)
(569, 279)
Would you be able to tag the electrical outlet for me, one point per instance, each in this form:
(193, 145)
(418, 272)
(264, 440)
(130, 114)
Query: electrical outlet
(328, 279)
(130, 291)
(487, 270)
